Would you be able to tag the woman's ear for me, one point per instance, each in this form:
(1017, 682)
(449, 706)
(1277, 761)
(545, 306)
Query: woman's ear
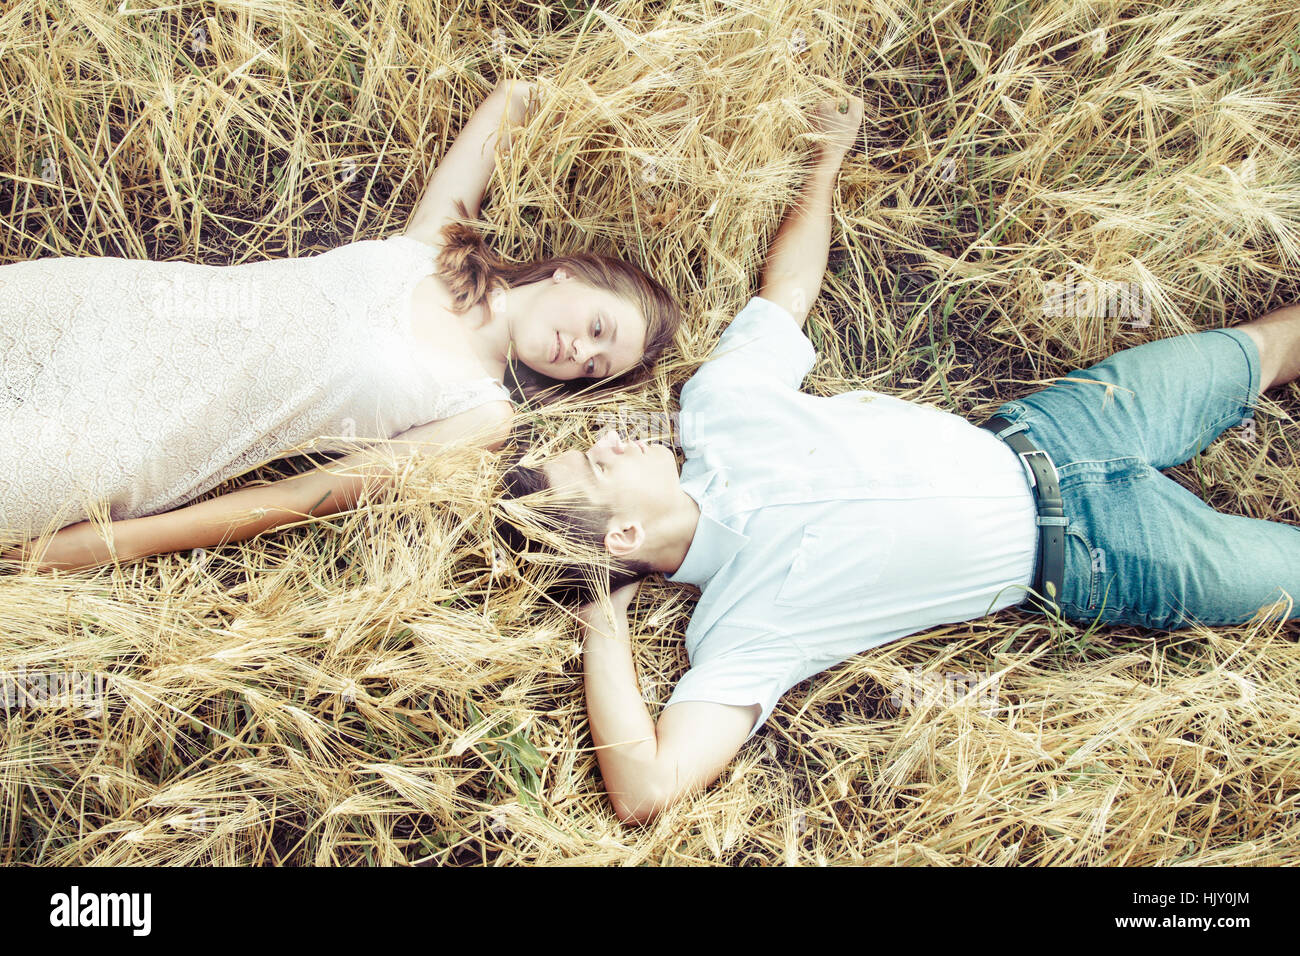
(623, 542)
(561, 274)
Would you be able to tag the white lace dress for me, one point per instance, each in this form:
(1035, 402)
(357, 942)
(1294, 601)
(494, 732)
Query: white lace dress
(144, 384)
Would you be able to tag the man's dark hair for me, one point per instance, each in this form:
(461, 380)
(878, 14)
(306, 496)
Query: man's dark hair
(564, 534)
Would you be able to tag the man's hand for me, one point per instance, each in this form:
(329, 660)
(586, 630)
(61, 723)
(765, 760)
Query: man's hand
(593, 614)
(838, 121)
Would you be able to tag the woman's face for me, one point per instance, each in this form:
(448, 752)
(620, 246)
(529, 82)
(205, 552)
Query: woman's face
(571, 330)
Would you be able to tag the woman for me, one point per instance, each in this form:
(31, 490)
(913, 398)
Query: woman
(144, 384)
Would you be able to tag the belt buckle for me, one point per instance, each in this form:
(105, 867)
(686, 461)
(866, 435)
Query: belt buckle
(1024, 460)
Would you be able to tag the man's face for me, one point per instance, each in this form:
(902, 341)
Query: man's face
(636, 481)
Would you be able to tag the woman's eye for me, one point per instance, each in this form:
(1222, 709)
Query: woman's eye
(591, 366)
(598, 328)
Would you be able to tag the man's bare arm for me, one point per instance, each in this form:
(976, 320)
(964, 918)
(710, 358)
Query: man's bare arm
(646, 767)
(796, 262)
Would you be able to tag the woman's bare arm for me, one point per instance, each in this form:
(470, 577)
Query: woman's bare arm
(247, 512)
(467, 166)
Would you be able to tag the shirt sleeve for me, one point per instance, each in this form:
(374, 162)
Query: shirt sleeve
(763, 339)
(757, 671)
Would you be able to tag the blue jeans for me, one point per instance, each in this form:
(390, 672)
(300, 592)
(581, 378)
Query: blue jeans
(1140, 548)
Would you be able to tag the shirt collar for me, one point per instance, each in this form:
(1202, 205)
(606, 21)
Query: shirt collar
(712, 546)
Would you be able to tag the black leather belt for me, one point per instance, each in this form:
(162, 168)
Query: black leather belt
(1049, 565)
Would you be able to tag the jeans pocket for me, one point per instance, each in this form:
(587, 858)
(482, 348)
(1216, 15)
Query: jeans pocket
(1103, 502)
(1081, 570)
(1113, 472)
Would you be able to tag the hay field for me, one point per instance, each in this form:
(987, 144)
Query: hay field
(362, 689)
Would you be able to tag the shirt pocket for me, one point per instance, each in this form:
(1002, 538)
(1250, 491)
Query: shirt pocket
(836, 564)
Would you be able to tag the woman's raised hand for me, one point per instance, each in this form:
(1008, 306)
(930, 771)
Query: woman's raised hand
(517, 89)
(521, 97)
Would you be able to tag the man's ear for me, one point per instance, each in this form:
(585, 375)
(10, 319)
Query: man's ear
(624, 541)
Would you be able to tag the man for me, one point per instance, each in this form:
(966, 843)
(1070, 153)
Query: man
(816, 528)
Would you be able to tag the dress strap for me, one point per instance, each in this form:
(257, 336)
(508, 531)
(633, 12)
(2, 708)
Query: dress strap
(458, 397)
(422, 249)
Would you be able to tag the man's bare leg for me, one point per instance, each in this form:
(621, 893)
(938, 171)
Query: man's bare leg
(1277, 335)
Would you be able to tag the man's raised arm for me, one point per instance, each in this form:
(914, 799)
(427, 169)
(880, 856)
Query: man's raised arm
(792, 275)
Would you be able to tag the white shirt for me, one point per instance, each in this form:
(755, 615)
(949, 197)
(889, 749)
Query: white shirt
(831, 525)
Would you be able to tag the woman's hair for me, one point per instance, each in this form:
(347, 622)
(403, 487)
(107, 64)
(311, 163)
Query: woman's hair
(472, 272)
(572, 538)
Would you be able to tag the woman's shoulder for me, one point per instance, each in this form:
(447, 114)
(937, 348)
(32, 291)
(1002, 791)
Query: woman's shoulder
(475, 410)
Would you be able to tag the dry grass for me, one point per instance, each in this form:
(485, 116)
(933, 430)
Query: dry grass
(363, 690)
